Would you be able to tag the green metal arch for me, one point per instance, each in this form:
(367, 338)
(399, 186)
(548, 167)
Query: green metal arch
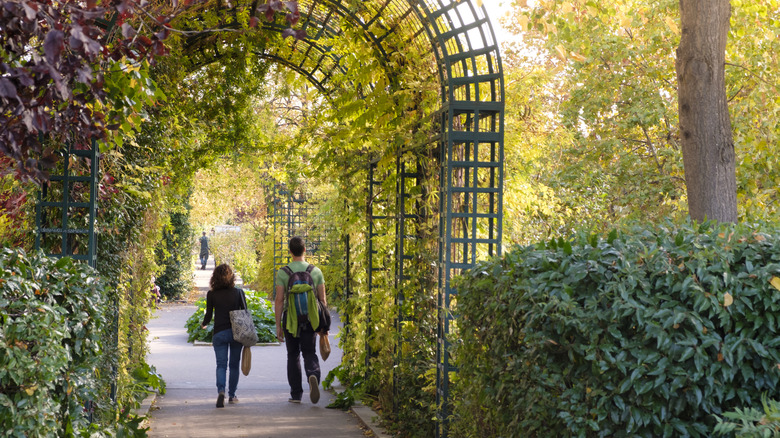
(459, 37)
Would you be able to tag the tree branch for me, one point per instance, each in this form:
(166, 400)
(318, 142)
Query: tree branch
(757, 77)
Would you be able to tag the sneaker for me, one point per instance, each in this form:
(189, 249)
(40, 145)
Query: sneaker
(294, 400)
(232, 400)
(314, 386)
(221, 400)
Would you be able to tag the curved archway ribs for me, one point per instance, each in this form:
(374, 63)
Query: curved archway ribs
(468, 148)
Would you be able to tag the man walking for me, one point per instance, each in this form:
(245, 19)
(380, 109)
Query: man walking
(294, 329)
(204, 250)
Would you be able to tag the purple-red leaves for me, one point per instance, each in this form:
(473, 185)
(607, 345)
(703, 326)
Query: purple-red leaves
(7, 89)
(31, 9)
(276, 5)
(265, 9)
(54, 53)
(53, 45)
(128, 31)
(84, 75)
(298, 34)
(292, 18)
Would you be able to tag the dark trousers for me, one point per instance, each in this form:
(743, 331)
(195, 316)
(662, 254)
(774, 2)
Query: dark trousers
(304, 344)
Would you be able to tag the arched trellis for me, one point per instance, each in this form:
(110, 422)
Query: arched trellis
(294, 212)
(458, 37)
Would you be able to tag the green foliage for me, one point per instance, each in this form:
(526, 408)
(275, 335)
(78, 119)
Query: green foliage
(346, 398)
(592, 133)
(592, 112)
(265, 278)
(751, 422)
(134, 207)
(647, 333)
(176, 257)
(17, 214)
(53, 319)
(262, 315)
(239, 250)
(148, 379)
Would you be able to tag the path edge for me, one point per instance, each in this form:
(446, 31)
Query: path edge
(367, 417)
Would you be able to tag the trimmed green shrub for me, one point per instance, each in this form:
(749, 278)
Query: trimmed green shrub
(175, 254)
(649, 333)
(262, 314)
(53, 315)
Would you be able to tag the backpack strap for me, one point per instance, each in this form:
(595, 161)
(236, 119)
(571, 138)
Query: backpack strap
(309, 269)
(289, 273)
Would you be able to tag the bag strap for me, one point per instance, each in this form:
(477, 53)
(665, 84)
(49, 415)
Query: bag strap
(242, 297)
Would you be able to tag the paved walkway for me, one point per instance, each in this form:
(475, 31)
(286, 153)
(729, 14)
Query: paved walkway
(188, 407)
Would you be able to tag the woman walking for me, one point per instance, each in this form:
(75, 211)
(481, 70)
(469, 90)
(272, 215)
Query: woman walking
(220, 300)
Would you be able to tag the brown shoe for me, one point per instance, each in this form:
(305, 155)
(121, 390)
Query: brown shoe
(221, 400)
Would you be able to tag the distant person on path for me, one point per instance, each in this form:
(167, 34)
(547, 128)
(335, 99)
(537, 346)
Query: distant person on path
(304, 341)
(220, 300)
(156, 297)
(204, 250)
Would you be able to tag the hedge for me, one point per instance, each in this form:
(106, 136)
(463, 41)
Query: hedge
(52, 319)
(651, 332)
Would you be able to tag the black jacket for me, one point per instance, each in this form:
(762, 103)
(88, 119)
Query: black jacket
(220, 303)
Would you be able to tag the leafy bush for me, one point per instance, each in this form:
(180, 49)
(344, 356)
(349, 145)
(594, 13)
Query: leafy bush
(262, 314)
(54, 312)
(751, 422)
(147, 381)
(175, 255)
(648, 333)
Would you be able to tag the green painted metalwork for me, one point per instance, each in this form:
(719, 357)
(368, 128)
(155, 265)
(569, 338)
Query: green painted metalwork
(472, 156)
(293, 212)
(66, 208)
(380, 224)
(458, 38)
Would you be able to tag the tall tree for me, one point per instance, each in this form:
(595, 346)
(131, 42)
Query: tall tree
(705, 127)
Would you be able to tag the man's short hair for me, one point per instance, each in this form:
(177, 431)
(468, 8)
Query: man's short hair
(296, 246)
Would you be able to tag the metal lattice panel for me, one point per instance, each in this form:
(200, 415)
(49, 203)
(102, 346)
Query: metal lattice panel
(296, 213)
(65, 213)
(376, 267)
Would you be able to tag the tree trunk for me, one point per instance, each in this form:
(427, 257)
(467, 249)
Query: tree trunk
(705, 127)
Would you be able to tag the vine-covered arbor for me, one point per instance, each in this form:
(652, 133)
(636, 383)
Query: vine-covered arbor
(460, 163)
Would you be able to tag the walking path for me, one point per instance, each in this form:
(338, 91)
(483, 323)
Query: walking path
(188, 407)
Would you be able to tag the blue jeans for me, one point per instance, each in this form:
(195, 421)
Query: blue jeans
(223, 343)
(203, 259)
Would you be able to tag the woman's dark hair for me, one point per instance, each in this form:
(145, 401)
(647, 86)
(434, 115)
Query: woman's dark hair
(222, 277)
(296, 246)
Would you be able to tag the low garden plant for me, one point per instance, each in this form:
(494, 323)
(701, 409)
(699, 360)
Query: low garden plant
(262, 313)
(650, 332)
